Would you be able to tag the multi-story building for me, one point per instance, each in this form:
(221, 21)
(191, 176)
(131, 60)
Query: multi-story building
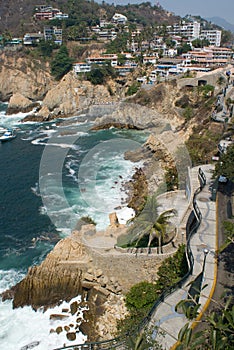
(189, 30)
(44, 12)
(81, 67)
(53, 33)
(213, 36)
(209, 56)
(221, 53)
(32, 38)
(103, 59)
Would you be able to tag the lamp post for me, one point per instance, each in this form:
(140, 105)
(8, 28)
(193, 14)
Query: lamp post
(205, 251)
(182, 234)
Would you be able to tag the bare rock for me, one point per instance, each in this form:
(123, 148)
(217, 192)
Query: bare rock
(71, 336)
(59, 330)
(88, 285)
(58, 317)
(114, 222)
(74, 307)
(19, 103)
(89, 277)
(57, 278)
(29, 77)
(98, 273)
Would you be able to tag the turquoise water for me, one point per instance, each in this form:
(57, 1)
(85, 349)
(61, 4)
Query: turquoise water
(51, 175)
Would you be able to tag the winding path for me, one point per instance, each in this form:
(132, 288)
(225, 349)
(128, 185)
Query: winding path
(165, 317)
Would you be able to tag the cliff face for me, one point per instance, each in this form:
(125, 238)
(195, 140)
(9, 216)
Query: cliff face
(86, 263)
(71, 95)
(61, 99)
(22, 75)
(53, 280)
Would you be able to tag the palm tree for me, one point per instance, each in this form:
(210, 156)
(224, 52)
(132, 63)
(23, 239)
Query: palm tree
(150, 223)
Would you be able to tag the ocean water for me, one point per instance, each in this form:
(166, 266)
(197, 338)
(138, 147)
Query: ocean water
(51, 175)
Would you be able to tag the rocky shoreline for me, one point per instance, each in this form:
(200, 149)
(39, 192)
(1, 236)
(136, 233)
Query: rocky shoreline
(75, 266)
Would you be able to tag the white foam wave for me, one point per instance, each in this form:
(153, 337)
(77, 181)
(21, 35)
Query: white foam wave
(20, 327)
(36, 189)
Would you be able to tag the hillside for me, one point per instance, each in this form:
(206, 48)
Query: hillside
(222, 23)
(17, 15)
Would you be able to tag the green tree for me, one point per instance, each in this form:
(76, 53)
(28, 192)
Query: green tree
(225, 166)
(46, 47)
(200, 43)
(151, 224)
(183, 49)
(61, 63)
(99, 74)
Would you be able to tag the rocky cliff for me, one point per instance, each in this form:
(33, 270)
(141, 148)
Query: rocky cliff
(24, 75)
(86, 263)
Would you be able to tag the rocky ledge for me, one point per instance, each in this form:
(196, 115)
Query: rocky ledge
(67, 272)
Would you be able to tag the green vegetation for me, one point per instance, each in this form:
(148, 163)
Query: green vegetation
(142, 296)
(119, 44)
(171, 177)
(202, 144)
(183, 49)
(188, 113)
(133, 89)
(61, 63)
(200, 43)
(149, 225)
(206, 90)
(99, 74)
(225, 167)
(45, 48)
(142, 341)
(229, 234)
(172, 269)
(218, 332)
(221, 81)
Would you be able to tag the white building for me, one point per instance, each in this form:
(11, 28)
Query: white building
(32, 38)
(119, 19)
(190, 30)
(81, 67)
(103, 59)
(214, 36)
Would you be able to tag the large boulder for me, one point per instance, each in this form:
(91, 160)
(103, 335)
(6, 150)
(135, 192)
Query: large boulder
(19, 103)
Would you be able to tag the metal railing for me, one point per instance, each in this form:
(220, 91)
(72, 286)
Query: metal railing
(193, 223)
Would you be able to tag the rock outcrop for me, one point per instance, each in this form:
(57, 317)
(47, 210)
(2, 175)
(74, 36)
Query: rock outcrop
(27, 76)
(71, 95)
(129, 116)
(85, 263)
(57, 278)
(19, 103)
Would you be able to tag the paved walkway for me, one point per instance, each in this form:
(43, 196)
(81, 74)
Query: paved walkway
(165, 316)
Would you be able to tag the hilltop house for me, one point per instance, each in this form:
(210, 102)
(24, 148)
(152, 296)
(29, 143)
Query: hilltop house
(119, 19)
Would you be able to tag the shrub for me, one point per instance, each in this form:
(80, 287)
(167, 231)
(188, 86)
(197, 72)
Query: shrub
(133, 89)
(188, 113)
